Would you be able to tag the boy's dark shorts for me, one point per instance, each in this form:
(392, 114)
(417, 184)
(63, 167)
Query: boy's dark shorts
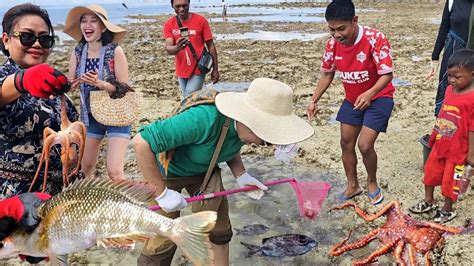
(376, 116)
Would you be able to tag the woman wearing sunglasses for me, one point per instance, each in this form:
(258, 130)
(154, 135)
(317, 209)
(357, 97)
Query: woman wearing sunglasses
(95, 62)
(28, 104)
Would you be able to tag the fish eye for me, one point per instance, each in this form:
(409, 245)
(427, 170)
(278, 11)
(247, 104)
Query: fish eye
(1, 244)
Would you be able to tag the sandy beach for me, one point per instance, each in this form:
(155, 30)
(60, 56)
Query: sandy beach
(411, 30)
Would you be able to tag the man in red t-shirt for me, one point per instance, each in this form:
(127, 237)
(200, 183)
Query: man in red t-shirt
(194, 30)
(362, 58)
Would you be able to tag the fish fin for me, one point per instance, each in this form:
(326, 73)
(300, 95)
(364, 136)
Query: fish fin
(112, 243)
(252, 249)
(192, 236)
(121, 241)
(239, 231)
(137, 191)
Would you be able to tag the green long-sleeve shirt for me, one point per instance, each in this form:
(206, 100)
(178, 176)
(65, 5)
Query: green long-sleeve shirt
(193, 134)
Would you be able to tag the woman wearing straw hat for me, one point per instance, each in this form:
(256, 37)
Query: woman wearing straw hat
(262, 115)
(95, 63)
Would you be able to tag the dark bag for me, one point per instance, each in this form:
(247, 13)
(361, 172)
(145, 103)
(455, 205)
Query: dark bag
(205, 62)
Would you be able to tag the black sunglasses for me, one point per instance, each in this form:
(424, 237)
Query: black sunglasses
(28, 39)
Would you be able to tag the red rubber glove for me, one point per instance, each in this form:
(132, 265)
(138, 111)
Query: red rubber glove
(20, 210)
(32, 260)
(41, 81)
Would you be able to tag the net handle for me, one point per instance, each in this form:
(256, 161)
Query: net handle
(237, 190)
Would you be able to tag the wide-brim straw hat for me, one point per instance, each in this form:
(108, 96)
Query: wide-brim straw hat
(73, 21)
(266, 108)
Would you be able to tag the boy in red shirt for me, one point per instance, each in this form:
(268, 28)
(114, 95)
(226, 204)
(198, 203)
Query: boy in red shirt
(195, 30)
(452, 139)
(362, 58)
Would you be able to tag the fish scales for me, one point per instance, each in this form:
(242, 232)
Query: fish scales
(111, 213)
(92, 213)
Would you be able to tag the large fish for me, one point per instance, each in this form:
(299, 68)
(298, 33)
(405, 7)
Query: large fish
(110, 214)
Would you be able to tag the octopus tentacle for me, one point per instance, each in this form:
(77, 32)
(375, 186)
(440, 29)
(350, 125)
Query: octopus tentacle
(48, 137)
(412, 254)
(398, 252)
(65, 158)
(377, 253)
(369, 218)
(400, 232)
(449, 229)
(342, 247)
(427, 259)
(77, 139)
(70, 136)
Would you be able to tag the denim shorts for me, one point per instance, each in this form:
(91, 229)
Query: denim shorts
(376, 116)
(97, 130)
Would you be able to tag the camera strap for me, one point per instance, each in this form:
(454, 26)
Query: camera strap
(193, 51)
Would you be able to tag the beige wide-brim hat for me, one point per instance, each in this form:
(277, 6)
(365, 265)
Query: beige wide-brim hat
(73, 21)
(266, 108)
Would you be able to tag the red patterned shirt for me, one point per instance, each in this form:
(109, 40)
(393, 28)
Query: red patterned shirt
(454, 121)
(360, 65)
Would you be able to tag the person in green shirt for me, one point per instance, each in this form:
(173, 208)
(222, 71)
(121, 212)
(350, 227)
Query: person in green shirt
(262, 115)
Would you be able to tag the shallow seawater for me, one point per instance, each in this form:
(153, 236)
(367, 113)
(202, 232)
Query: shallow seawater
(272, 36)
(401, 83)
(254, 13)
(278, 210)
(229, 86)
(274, 17)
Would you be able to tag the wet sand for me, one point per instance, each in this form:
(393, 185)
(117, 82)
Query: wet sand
(411, 29)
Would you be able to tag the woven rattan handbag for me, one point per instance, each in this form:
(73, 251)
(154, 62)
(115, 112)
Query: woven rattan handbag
(122, 111)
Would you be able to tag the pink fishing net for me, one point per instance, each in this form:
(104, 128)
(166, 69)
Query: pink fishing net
(311, 196)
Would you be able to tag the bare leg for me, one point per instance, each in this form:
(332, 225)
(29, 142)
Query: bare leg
(429, 191)
(91, 154)
(349, 134)
(116, 150)
(147, 162)
(366, 143)
(221, 254)
(448, 204)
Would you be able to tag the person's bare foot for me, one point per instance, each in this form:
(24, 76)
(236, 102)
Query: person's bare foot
(350, 193)
(372, 187)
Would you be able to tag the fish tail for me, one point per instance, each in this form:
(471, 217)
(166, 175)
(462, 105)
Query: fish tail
(193, 238)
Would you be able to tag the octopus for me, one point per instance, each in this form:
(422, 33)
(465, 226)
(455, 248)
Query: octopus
(71, 138)
(400, 234)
